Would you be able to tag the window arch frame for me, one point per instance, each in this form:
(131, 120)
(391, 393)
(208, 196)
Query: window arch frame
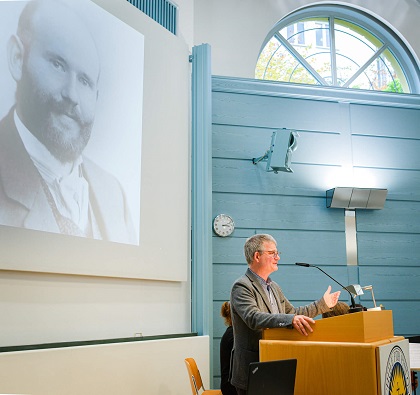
(359, 16)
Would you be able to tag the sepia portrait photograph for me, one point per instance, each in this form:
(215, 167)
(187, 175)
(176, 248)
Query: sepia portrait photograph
(70, 120)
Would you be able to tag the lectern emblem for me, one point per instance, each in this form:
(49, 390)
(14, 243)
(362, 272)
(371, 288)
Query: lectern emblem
(397, 375)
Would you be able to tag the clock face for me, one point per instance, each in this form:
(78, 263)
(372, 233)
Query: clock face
(223, 225)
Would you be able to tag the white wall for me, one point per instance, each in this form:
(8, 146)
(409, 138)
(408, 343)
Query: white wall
(185, 21)
(47, 307)
(236, 29)
(141, 368)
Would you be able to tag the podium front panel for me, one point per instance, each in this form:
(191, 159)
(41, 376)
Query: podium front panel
(327, 368)
(330, 368)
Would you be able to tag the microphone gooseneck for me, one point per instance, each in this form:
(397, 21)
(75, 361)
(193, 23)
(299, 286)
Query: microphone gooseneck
(353, 308)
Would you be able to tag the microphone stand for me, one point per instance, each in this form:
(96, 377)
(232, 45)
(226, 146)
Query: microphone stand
(353, 308)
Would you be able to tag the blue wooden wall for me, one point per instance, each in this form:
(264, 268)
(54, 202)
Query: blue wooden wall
(374, 135)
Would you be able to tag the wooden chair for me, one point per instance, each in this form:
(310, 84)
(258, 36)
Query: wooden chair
(195, 379)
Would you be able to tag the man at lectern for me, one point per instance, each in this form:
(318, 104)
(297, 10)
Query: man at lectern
(257, 302)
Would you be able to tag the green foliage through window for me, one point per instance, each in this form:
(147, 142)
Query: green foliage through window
(330, 50)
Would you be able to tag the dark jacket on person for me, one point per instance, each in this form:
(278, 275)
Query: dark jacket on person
(252, 312)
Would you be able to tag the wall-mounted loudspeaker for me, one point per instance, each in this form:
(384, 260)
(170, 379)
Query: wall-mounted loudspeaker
(279, 155)
(283, 144)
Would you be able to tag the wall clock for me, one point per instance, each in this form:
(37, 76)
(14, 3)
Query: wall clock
(223, 225)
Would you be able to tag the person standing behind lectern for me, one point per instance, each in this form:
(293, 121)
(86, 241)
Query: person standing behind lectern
(226, 346)
(257, 302)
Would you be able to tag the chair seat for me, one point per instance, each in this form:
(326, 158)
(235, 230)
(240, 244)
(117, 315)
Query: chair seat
(212, 392)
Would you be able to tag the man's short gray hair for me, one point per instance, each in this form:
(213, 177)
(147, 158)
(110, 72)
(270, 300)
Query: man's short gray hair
(254, 244)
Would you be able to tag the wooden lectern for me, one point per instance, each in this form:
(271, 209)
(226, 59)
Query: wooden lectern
(348, 354)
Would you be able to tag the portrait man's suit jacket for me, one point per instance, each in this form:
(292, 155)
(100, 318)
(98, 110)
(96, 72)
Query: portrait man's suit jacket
(23, 202)
(252, 312)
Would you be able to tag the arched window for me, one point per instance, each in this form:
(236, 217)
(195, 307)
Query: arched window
(338, 45)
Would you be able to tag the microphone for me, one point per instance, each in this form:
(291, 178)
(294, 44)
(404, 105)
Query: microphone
(353, 308)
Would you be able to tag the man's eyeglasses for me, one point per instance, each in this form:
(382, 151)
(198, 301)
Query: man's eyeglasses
(273, 254)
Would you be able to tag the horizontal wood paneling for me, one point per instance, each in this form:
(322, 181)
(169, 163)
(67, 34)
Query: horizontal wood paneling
(274, 112)
(216, 362)
(245, 177)
(240, 142)
(388, 249)
(402, 217)
(404, 315)
(274, 212)
(223, 278)
(401, 184)
(377, 120)
(229, 250)
(392, 283)
(301, 284)
(395, 286)
(386, 153)
(374, 135)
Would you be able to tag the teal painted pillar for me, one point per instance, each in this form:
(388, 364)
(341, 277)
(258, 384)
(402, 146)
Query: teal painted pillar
(201, 201)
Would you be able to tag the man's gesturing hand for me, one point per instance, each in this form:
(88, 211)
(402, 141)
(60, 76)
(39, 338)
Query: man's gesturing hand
(331, 299)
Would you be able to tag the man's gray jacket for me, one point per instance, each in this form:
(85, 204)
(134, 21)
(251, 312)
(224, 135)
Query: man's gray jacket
(251, 313)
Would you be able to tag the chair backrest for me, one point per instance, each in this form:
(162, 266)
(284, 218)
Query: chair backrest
(194, 375)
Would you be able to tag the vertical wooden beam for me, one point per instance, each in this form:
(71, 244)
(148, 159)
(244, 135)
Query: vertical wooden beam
(201, 204)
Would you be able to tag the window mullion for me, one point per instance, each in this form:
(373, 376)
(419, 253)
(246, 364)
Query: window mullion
(300, 59)
(333, 54)
(365, 66)
(339, 59)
